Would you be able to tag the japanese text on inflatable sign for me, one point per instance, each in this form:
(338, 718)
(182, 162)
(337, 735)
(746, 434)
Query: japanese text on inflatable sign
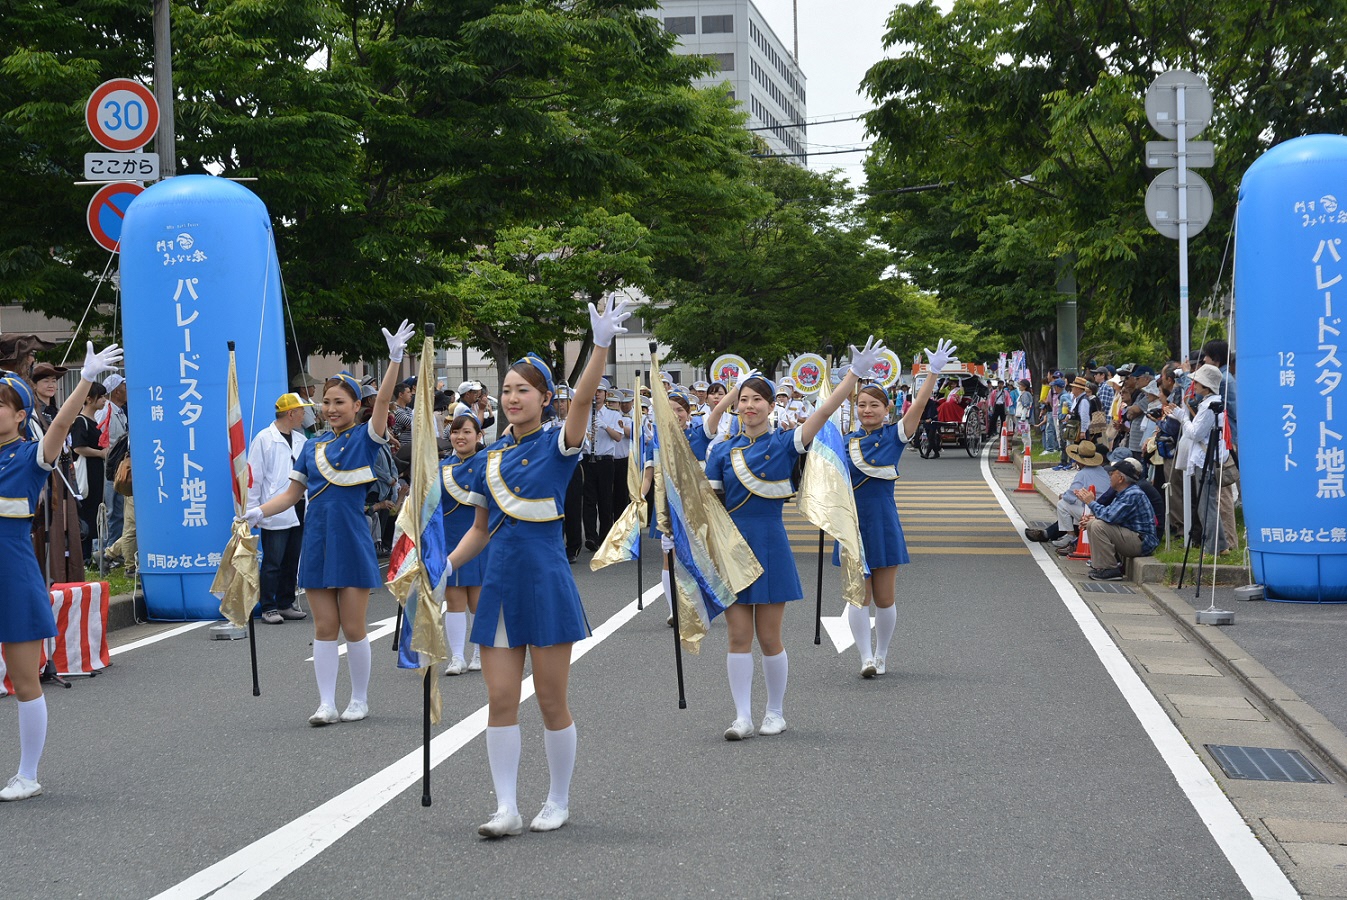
(1323, 211)
(1330, 458)
(182, 561)
(193, 484)
(183, 242)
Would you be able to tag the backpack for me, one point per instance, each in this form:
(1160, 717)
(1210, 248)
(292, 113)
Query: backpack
(384, 487)
(116, 453)
(1167, 432)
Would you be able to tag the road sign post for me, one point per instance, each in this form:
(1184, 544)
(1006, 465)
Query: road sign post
(122, 114)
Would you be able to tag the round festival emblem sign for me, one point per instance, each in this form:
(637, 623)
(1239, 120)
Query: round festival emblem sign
(807, 370)
(888, 368)
(728, 369)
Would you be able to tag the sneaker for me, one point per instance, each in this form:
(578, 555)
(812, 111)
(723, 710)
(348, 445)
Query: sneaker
(772, 723)
(550, 818)
(272, 617)
(591, 545)
(669, 621)
(1113, 573)
(1066, 540)
(325, 715)
(502, 823)
(1036, 534)
(1066, 549)
(868, 669)
(573, 558)
(355, 711)
(19, 788)
(739, 730)
(879, 665)
(456, 666)
(475, 664)
(290, 612)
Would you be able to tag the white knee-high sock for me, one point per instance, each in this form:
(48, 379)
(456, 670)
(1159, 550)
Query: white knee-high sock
(502, 753)
(775, 670)
(886, 620)
(560, 747)
(740, 668)
(32, 735)
(325, 671)
(858, 617)
(358, 658)
(456, 629)
(668, 588)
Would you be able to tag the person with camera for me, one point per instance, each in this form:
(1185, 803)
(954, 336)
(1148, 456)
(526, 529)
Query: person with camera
(1202, 453)
(603, 431)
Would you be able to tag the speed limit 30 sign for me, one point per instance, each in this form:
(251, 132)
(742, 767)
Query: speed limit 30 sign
(122, 114)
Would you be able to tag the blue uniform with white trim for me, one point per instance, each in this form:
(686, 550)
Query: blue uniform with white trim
(528, 592)
(872, 460)
(755, 473)
(25, 604)
(336, 471)
(460, 511)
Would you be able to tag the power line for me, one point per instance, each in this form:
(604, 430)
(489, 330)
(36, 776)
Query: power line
(821, 153)
(805, 124)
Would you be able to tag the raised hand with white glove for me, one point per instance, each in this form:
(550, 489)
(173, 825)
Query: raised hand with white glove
(397, 342)
(608, 324)
(863, 360)
(944, 350)
(100, 362)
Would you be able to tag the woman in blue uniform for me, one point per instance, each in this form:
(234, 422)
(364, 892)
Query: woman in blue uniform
(873, 450)
(462, 588)
(337, 562)
(26, 459)
(752, 469)
(529, 602)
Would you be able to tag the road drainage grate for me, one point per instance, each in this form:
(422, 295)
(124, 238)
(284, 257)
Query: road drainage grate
(1266, 764)
(1105, 587)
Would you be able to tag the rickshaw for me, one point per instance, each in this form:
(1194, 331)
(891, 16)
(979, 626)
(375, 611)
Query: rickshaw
(971, 432)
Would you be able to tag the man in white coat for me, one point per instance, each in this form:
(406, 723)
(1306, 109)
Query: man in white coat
(271, 457)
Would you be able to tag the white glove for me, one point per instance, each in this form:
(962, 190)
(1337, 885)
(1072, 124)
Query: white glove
(666, 543)
(253, 516)
(863, 360)
(448, 567)
(99, 363)
(751, 373)
(944, 349)
(397, 343)
(608, 324)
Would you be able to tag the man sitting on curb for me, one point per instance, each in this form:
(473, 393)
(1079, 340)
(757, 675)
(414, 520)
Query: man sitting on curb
(1122, 529)
(1090, 479)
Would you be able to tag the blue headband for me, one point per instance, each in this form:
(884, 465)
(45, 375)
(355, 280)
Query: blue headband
(771, 386)
(26, 397)
(348, 379)
(532, 360)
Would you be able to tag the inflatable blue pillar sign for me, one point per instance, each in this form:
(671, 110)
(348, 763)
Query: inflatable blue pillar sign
(198, 269)
(1290, 303)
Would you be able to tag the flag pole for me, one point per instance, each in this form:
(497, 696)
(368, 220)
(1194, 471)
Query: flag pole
(425, 737)
(640, 536)
(678, 638)
(818, 599)
(252, 635)
(397, 629)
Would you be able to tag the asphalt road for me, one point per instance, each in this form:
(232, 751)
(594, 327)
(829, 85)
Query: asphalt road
(996, 759)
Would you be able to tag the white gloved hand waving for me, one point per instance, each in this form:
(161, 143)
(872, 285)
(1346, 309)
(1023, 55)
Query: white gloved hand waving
(608, 324)
(944, 349)
(397, 342)
(101, 362)
(863, 360)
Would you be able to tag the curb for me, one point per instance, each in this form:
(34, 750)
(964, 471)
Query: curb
(122, 611)
(1303, 719)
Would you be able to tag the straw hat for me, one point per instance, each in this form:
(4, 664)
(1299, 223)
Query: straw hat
(1081, 383)
(1085, 453)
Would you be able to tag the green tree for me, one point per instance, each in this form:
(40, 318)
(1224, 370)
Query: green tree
(1028, 117)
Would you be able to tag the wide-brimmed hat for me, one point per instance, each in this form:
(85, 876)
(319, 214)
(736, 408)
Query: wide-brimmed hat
(1085, 453)
(1209, 377)
(46, 370)
(287, 402)
(1081, 383)
(304, 380)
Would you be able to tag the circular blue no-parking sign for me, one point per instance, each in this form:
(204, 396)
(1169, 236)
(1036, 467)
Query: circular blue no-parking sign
(106, 211)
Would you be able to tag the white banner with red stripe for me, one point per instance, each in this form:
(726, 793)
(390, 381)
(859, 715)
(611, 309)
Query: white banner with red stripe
(81, 643)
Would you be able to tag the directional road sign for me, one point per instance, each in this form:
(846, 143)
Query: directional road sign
(1164, 154)
(1162, 103)
(122, 114)
(121, 166)
(1162, 203)
(106, 211)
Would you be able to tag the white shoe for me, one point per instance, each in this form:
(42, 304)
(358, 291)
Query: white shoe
(772, 723)
(669, 621)
(355, 711)
(868, 669)
(502, 823)
(326, 715)
(739, 730)
(456, 666)
(879, 665)
(19, 788)
(550, 818)
(475, 665)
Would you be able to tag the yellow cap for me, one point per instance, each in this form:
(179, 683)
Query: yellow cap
(288, 402)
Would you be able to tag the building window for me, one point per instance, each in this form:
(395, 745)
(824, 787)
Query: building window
(681, 24)
(718, 24)
(724, 60)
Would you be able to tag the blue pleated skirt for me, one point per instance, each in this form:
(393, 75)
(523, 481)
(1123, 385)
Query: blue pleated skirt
(529, 580)
(881, 532)
(338, 550)
(25, 604)
(457, 524)
(761, 526)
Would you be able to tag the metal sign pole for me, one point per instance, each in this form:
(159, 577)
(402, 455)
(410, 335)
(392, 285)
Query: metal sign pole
(1181, 166)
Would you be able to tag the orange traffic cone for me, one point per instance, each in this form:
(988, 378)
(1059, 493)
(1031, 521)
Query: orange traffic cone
(1004, 455)
(1026, 474)
(1082, 550)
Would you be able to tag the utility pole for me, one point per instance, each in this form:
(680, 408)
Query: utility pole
(164, 139)
(795, 17)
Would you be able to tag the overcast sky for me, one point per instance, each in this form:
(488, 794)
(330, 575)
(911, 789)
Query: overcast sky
(839, 41)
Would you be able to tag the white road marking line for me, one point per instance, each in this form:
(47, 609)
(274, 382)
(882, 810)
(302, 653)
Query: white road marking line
(161, 636)
(839, 630)
(256, 868)
(375, 630)
(1256, 868)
